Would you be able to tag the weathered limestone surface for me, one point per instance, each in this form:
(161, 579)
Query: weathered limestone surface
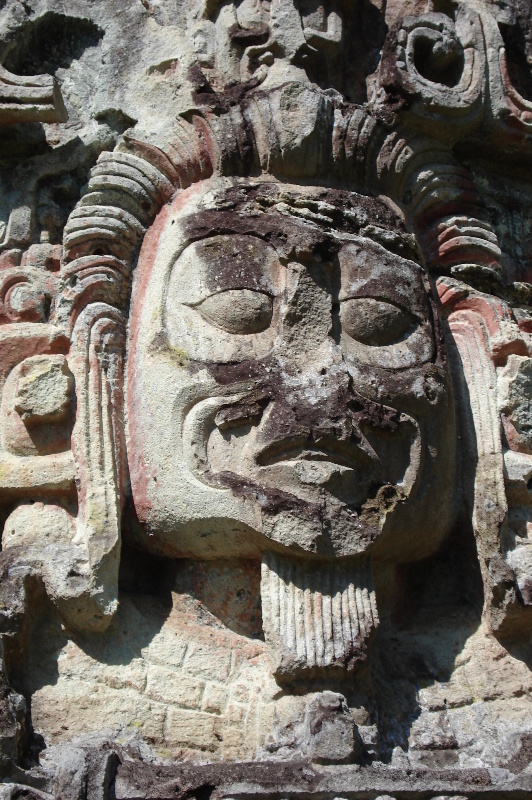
(265, 399)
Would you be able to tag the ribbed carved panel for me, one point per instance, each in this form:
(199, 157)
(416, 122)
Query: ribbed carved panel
(318, 614)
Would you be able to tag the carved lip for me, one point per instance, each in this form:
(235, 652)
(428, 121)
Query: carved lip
(345, 454)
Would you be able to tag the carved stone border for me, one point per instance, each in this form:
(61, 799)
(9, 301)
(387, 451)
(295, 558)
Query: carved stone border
(302, 781)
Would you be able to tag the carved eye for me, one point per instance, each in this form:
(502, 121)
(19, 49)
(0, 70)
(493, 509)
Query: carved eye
(241, 311)
(374, 322)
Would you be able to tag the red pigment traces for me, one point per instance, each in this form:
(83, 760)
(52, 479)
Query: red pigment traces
(15, 348)
(140, 474)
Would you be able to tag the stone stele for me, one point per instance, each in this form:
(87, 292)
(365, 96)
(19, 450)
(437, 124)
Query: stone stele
(266, 399)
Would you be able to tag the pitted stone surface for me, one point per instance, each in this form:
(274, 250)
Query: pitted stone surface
(265, 399)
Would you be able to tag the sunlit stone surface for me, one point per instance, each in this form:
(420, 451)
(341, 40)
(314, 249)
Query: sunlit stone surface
(265, 399)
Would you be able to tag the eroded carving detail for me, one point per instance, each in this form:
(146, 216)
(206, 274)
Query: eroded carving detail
(265, 405)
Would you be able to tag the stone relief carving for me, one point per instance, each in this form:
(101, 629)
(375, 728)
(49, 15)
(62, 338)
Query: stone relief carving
(265, 399)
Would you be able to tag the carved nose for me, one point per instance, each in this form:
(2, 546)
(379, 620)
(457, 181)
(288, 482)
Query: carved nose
(320, 401)
(312, 398)
(319, 371)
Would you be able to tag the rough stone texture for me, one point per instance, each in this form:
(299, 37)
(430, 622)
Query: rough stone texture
(265, 399)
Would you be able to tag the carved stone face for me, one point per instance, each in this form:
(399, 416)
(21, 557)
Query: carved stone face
(286, 382)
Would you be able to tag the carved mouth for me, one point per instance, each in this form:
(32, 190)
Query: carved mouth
(332, 451)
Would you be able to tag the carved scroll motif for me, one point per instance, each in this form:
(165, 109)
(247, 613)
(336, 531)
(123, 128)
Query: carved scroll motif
(488, 340)
(98, 448)
(30, 99)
